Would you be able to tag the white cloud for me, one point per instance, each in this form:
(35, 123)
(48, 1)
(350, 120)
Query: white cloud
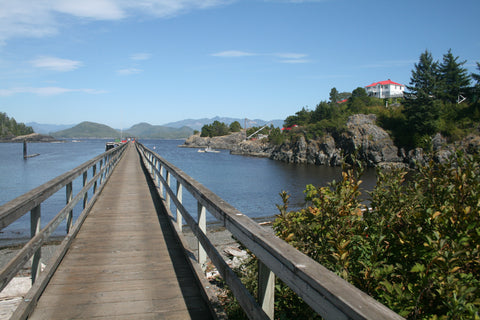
(295, 1)
(40, 18)
(129, 71)
(293, 61)
(140, 56)
(93, 9)
(292, 58)
(291, 55)
(388, 64)
(233, 54)
(285, 57)
(56, 64)
(45, 91)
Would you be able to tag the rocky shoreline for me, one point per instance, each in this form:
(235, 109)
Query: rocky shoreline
(33, 137)
(371, 144)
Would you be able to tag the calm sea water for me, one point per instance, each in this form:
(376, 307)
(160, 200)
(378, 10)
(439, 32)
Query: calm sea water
(250, 184)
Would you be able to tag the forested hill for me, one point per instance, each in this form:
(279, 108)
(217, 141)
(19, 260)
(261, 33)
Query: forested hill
(88, 130)
(9, 128)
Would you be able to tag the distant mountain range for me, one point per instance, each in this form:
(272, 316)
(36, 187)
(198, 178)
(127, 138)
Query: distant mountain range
(174, 130)
(142, 130)
(47, 128)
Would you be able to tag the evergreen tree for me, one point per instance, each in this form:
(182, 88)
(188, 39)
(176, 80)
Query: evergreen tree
(454, 79)
(235, 126)
(9, 127)
(476, 76)
(323, 111)
(424, 80)
(420, 109)
(334, 96)
(476, 90)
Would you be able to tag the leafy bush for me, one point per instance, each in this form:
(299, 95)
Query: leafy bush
(416, 249)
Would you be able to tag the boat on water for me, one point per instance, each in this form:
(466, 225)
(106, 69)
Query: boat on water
(208, 150)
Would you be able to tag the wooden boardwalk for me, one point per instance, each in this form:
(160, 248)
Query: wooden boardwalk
(125, 262)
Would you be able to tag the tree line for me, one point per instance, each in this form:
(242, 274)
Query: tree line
(218, 128)
(10, 128)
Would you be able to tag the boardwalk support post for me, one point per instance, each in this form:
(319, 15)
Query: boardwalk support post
(167, 195)
(85, 196)
(101, 175)
(266, 289)
(34, 230)
(160, 174)
(69, 189)
(94, 168)
(179, 198)
(202, 223)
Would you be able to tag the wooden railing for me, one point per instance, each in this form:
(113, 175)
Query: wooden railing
(326, 293)
(100, 167)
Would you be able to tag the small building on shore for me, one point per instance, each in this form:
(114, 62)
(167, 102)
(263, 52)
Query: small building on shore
(385, 89)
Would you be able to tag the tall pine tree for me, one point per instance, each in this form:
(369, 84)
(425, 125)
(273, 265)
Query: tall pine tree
(454, 79)
(476, 76)
(334, 96)
(420, 110)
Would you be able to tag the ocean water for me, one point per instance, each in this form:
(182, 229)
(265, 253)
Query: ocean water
(250, 184)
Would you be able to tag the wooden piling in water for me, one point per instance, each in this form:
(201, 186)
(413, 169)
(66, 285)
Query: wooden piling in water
(25, 154)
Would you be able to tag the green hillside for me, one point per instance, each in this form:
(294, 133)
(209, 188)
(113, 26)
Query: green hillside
(88, 130)
(148, 131)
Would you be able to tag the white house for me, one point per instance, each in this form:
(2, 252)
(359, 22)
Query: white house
(385, 89)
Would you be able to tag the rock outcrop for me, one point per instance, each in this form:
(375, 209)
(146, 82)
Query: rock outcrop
(223, 142)
(371, 143)
(255, 148)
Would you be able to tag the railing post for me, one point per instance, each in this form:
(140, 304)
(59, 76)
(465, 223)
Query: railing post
(150, 158)
(202, 224)
(266, 289)
(95, 183)
(167, 195)
(157, 174)
(179, 198)
(101, 175)
(107, 163)
(70, 214)
(85, 197)
(160, 184)
(34, 229)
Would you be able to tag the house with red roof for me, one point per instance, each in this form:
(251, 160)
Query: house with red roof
(385, 89)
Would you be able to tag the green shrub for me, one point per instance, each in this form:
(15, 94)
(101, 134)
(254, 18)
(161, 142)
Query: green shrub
(416, 249)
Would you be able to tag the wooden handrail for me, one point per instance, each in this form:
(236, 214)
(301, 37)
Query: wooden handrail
(32, 200)
(325, 292)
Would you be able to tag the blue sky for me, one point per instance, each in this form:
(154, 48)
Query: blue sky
(121, 62)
